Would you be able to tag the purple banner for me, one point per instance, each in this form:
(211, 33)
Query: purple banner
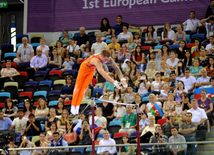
(57, 15)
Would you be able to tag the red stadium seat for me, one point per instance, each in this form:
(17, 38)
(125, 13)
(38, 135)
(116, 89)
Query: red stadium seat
(24, 73)
(120, 134)
(94, 81)
(145, 47)
(68, 102)
(162, 121)
(2, 105)
(27, 93)
(80, 61)
(59, 72)
(190, 45)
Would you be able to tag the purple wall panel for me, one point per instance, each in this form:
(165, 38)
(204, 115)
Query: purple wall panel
(56, 15)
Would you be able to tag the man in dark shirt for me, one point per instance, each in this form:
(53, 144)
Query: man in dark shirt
(210, 9)
(172, 82)
(82, 38)
(117, 29)
(33, 126)
(169, 125)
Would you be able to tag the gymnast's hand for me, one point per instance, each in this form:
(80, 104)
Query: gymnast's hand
(116, 84)
(123, 82)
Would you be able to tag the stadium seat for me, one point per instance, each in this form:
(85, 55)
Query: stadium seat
(40, 76)
(100, 90)
(24, 73)
(35, 138)
(54, 75)
(34, 38)
(52, 97)
(58, 84)
(53, 44)
(72, 72)
(115, 123)
(94, 80)
(118, 140)
(174, 46)
(6, 48)
(68, 102)
(35, 45)
(145, 47)
(187, 38)
(4, 96)
(32, 83)
(83, 107)
(205, 44)
(12, 88)
(120, 134)
(133, 31)
(39, 94)
(108, 41)
(17, 45)
(158, 47)
(58, 72)
(53, 103)
(11, 84)
(75, 64)
(21, 80)
(202, 36)
(42, 127)
(145, 99)
(19, 38)
(41, 73)
(23, 66)
(20, 105)
(30, 88)
(114, 129)
(190, 45)
(162, 121)
(13, 64)
(82, 150)
(10, 56)
(45, 85)
(24, 95)
(55, 92)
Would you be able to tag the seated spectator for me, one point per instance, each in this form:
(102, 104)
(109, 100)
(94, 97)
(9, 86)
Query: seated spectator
(134, 73)
(168, 34)
(99, 45)
(210, 46)
(105, 28)
(126, 66)
(198, 116)
(180, 35)
(170, 123)
(187, 129)
(60, 107)
(178, 149)
(195, 50)
(108, 108)
(27, 108)
(203, 81)
(45, 49)
(143, 85)
(137, 101)
(85, 134)
(66, 92)
(71, 136)
(58, 141)
(172, 82)
(49, 135)
(210, 67)
(123, 54)
(10, 109)
(61, 123)
(54, 62)
(119, 111)
(180, 53)
(188, 80)
(73, 49)
(11, 145)
(128, 81)
(19, 123)
(52, 118)
(5, 122)
(143, 123)
(41, 143)
(82, 38)
(207, 104)
(172, 61)
(150, 128)
(8, 73)
(109, 86)
(129, 96)
(125, 149)
(163, 96)
(138, 55)
(137, 39)
(42, 110)
(180, 88)
(86, 52)
(124, 35)
(25, 52)
(209, 26)
(151, 35)
(156, 57)
(78, 126)
(129, 121)
(114, 43)
(192, 24)
(157, 84)
(37, 63)
(60, 49)
(203, 59)
(165, 71)
(211, 83)
(114, 53)
(32, 127)
(185, 103)
(67, 64)
(151, 71)
(130, 44)
(209, 11)
(188, 60)
(25, 143)
(196, 69)
(116, 95)
(179, 70)
(65, 38)
(152, 101)
(159, 137)
(107, 141)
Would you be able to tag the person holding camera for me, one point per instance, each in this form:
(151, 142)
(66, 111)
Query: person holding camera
(143, 85)
(85, 133)
(25, 143)
(9, 146)
(159, 137)
(208, 26)
(73, 49)
(179, 90)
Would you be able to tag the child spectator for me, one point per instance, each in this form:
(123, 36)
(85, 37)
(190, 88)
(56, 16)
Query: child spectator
(142, 66)
(125, 150)
(144, 121)
(196, 49)
(67, 64)
(210, 47)
(137, 39)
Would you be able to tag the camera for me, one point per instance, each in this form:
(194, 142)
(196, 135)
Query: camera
(6, 136)
(85, 126)
(156, 135)
(142, 77)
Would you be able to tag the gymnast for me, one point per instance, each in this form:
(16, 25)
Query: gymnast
(86, 74)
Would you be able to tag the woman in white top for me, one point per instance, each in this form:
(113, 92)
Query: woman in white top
(179, 90)
(143, 85)
(116, 95)
(151, 35)
(73, 49)
(168, 33)
(125, 34)
(172, 61)
(157, 84)
(119, 111)
(152, 99)
(164, 92)
(99, 120)
(45, 49)
(42, 110)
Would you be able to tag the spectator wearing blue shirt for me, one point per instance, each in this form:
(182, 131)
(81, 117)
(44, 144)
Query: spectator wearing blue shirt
(144, 121)
(5, 122)
(117, 29)
(66, 92)
(82, 38)
(67, 65)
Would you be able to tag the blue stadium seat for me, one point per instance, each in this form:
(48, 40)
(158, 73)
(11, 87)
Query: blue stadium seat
(187, 38)
(145, 99)
(69, 35)
(43, 93)
(17, 45)
(42, 127)
(35, 44)
(33, 83)
(158, 47)
(100, 90)
(53, 103)
(115, 123)
(198, 36)
(12, 54)
(174, 46)
(21, 104)
(108, 41)
(82, 150)
(6, 94)
(76, 34)
(46, 82)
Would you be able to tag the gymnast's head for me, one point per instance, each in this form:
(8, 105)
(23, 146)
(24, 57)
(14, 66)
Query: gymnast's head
(105, 55)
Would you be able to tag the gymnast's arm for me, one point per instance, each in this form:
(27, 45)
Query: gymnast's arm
(116, 68)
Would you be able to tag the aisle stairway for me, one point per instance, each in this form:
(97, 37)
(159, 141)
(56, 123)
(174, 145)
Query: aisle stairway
(207, 149)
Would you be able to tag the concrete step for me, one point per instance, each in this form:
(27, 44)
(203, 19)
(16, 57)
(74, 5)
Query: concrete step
(206, 147)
